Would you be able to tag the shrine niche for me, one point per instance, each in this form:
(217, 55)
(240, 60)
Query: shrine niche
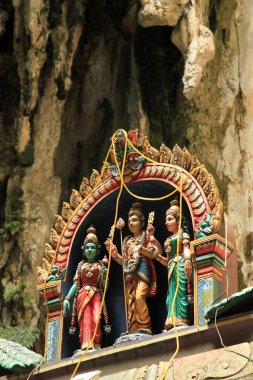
(172, 187)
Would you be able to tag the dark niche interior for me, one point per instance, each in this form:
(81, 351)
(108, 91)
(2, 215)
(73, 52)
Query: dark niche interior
(102, 217)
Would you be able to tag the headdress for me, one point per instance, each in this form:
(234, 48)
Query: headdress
(174, 209)
(91, 236)
(137, 209)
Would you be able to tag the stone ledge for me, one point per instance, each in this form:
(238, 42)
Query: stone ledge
(193, 340)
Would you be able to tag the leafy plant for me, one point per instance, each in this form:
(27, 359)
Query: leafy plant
(12, 291)
(10, 228)
(25, 336)
(13, 219)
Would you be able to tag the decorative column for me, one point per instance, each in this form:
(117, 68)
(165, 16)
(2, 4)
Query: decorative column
(209, 255)
(51, 293)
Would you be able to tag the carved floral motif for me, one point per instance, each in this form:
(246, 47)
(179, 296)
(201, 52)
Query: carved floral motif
(218, 364)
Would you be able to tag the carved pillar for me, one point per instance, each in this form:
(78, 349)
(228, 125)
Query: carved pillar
(210, 254)
(51, 293)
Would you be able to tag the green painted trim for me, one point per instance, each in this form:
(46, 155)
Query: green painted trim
(210, 258)
(237, 303)
(54, 303)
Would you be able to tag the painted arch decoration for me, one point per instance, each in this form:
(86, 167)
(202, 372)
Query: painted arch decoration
(142, 167)
(199, 191)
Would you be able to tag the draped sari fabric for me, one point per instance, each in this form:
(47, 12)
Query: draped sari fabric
(88, 278)
(88, 305)
(180, 315)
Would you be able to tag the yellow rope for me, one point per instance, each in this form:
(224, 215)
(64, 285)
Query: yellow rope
(123, 184)
(121, 173)
(124, 283)
(56, 251)
(177, 287)
(178, 242)
(160, 163)
(108, 270)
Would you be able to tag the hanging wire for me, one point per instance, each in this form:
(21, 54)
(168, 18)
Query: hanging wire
(226, 253)
(36, 368)
(221, 340)
(226, 292)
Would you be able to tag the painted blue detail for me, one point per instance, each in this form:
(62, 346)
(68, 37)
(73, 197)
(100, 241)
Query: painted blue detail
(209, 290)
(53, 333)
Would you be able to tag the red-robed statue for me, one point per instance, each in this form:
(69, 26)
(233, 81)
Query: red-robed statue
(87, 288)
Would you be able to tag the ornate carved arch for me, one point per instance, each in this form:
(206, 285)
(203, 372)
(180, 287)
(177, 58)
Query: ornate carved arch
(144, 167)
(199, 191)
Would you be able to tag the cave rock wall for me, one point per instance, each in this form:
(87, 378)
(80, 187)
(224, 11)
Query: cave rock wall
(72, 72)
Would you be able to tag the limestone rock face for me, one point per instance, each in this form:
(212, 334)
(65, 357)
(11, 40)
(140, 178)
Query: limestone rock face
(237, 159)
(194, 40)
(161, 12)
(72, 72)
(221, 119)
(218, 115)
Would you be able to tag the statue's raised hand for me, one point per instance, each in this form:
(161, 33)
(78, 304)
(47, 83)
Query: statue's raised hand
(114, 250)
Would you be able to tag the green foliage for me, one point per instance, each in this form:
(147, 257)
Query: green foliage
(13, 219)
(12, 292)
(10, 228)
(25, 336)
(17, 292)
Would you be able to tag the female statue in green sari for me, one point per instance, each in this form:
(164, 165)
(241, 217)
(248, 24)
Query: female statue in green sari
(180, 314)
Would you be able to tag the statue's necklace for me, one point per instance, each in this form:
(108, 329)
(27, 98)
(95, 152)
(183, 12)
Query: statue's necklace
(140, 239)
(89, 269)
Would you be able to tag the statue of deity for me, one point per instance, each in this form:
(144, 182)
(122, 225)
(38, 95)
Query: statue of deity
(178, 266)
(87, 289)
(139, 271)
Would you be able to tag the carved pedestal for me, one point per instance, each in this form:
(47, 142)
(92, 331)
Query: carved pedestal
(210, 277)
(51, 293)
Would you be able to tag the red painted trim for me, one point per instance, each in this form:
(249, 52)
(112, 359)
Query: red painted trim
(209, 269)
(54, 313)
